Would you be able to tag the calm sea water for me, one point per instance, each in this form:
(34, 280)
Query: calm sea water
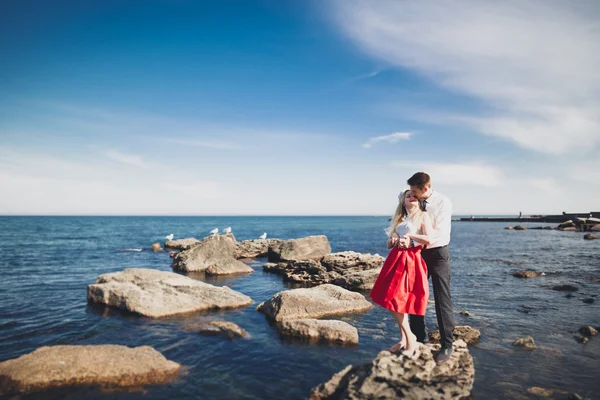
(46, 264)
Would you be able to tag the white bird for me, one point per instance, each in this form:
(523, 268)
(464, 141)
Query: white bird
(227, 230)
(263, 236)
(169, 237)
(214, 231)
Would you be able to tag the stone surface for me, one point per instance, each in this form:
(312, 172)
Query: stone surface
(520, 228)
(465, 333)
(589, 236)
(588, 331)
(218, 328)
(563, 288)
(104, 365)
(214, 255)
(155, 247)
(525, 343)
(527, 274)
(358, 280)
(306, 248)
(394, 376)
(465, 313)
(595, 228)
(182, 244)
(316, 302)
(509, 228)
(255, 248)
(569, 229)
(543, 392)
(319, 329)
(158, 294)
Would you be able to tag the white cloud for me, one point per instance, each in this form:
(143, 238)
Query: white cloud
(393, 138)
(127, 159)
(532, 64)
(473, 174)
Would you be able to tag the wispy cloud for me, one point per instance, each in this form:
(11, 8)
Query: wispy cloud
(393, 138)
(127, 159)
(532, 65)
(474, 173)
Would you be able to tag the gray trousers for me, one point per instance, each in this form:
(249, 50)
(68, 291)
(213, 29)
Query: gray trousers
(438, 268)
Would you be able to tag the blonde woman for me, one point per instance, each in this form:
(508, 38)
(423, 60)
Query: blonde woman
(402, 286)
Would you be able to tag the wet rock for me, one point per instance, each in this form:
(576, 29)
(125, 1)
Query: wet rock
(213, 255)
(217, 328)
(173, 253)
(316, 302)
(465, 313)
(526, 343)
(564, 288)
(569, 229)
(307, 248)
(589, 236)
(543, 392)
(527, 274)
(588, 331)
(318, 329)
(158, 294)
(466, 333)
(566, 224)
(359, 280)
(104, 365)
(509, 228)
(581, 339)
(276, 268)
(182, 244)
(569, 295)
(256, 247)
(595, 228)
(393, 376)
(588, 300)
(155, 247)
(343, 261)
(520, 228)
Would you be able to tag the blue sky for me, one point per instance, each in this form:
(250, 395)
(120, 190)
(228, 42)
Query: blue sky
(284, 107)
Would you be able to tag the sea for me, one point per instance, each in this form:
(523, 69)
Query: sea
(46, 264)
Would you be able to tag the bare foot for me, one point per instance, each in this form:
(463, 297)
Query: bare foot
(411, 347)
(398, 346)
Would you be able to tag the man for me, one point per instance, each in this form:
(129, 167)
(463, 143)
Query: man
(437, 258)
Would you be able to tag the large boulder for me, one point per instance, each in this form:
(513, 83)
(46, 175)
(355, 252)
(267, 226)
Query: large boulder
(255, 247)
(306, 248)
(358, 280)
(319, 301)
(214, 255)
(104, 365)
(394, 376)
(466, 333)
(181, 244)
(159, 294)
(319, 330)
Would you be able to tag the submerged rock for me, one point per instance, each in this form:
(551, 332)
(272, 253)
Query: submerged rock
(527, 274)
(520, 228)
(465, 333)
(214, 255)
(393, 376)
(306, 248)
(319, 330)
(564, 288)
(316, 302)
(155, 247)
(158, 294)
(589, 236)
(110, 365)
(526, 343)
(182, 244)
(218, 328)
(588, 331)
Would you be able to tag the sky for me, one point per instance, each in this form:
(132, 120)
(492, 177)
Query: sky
(272, 107)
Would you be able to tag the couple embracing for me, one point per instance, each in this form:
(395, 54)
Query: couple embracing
(418, 236)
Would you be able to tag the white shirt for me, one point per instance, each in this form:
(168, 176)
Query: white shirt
(439, 209)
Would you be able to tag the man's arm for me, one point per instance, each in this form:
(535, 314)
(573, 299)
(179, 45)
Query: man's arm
(443, 220)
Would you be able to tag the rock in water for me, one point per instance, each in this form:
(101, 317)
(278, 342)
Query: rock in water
(158, 294)
(520, 228)
(589, 236)
(182, 244)
(214, 255)
(525, 343)
(319, 329)
(219, 328)
(155, 247)
(588, 331)
(316, 302)
(307, 248)
(526, 274)
(104, 365)
(394, 376)
(464, 333)
(255, 248)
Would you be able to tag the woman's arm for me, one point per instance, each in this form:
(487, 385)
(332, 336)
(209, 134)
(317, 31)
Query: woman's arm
(427, 228)
(392, 240)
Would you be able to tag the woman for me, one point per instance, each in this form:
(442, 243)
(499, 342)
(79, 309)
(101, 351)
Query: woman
(402, 286)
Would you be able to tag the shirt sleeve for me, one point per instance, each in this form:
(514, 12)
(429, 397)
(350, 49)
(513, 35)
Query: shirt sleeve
(443, 221)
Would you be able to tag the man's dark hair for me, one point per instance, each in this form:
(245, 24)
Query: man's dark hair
(420, 180)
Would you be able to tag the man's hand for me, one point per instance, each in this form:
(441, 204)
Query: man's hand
(403, 242)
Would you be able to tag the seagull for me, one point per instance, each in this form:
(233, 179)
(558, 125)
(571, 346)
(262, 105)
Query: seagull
(263, 236)
(169, 237)
(215, 231)
(227, 230)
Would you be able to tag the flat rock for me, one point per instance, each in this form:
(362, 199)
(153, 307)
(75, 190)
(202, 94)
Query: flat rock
(214, 255)
(465, 333)
(589, 236)
(306, 248)
(319, 330)
(394, 376)
(256, 247)
(520, 228)
(351, 260)
(525, 343)
(217, 328)
(527, 274)
(358, 280)
(104, 365)
(595, 228)
(568, 229)
(182, 244)
(159, 294)
(316, 302)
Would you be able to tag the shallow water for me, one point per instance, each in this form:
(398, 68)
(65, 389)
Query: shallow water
(46, 264)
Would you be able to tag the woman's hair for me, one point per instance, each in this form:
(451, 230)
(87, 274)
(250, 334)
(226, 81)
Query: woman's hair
(401, 213)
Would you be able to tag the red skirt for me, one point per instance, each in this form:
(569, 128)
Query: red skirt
(402, 285)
